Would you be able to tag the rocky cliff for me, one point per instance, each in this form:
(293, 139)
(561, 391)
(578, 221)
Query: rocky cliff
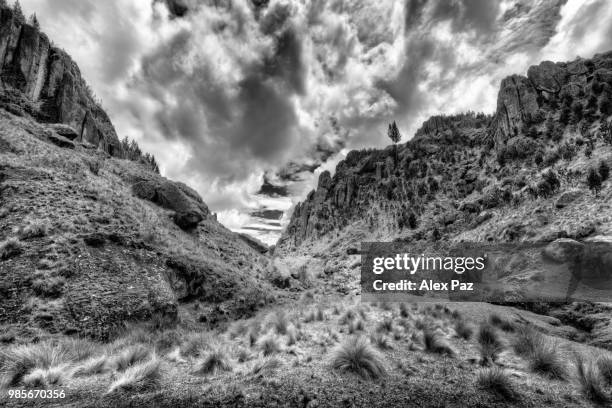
(523, 101)
(41, 80)
(91, 236)
(450, 179)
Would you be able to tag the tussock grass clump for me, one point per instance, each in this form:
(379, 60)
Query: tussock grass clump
(10, 247)
(495, 319)
(591, 380)
(7, 337)
(497, 381)
(18, 361)
(397, 334)
(348, 316)
(243, 355)
(604, 363)
(279, 322)
(48, 286)
(45, 377)
(385, 326)
(77, 349)
(266, 366)
(141, 376)
(491, 344)
(214, 362)
(269, 344)
(358, 356)
(421, 324)
(34, 229)
(504, 324)
(238, 329)
(308, 296)
(386, 306)
(168, 340)
(292, 335)
(381, 341)
(96, 365)
(464, 329)
(403, 310)
(545, 359)
(355, 326)
(525, 341)
(130, 357)
(195, 345)
(436, 343)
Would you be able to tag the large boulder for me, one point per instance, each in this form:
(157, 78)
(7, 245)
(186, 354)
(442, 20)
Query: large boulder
(568, 197)
(189, 208)
(60, 141)
(63, 130)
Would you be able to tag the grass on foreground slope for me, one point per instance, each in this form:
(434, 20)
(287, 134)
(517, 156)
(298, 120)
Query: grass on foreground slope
(251, 363)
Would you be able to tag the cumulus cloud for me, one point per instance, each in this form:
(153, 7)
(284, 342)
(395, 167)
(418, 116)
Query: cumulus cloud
(230, 94)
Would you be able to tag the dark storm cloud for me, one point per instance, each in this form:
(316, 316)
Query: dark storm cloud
(225, 92)
(229, 126)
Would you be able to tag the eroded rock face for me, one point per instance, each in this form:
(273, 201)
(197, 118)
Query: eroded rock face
(187, 204)
(520, 97)
(46, 83)
(516, 99)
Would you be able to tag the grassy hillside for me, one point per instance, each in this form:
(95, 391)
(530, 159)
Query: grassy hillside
(326, 352)
(81, 254)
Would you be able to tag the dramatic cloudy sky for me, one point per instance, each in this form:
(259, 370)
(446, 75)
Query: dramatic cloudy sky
(249, 103)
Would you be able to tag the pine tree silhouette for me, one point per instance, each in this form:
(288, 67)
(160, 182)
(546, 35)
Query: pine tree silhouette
(18, 12)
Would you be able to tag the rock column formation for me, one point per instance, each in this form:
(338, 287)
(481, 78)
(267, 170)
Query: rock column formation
(41, 80)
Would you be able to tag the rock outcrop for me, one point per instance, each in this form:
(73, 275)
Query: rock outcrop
(189, 209)
(458, 167)
(41, 80)
(521, 99)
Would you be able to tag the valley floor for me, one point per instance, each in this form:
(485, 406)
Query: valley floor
(301, 354)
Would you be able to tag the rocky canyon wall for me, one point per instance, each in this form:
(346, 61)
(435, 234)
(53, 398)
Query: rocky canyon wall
(41, 80)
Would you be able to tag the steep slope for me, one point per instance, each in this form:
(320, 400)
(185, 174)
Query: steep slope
(519, 176)
(40, 80)
(459, 171)
(90, 241)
